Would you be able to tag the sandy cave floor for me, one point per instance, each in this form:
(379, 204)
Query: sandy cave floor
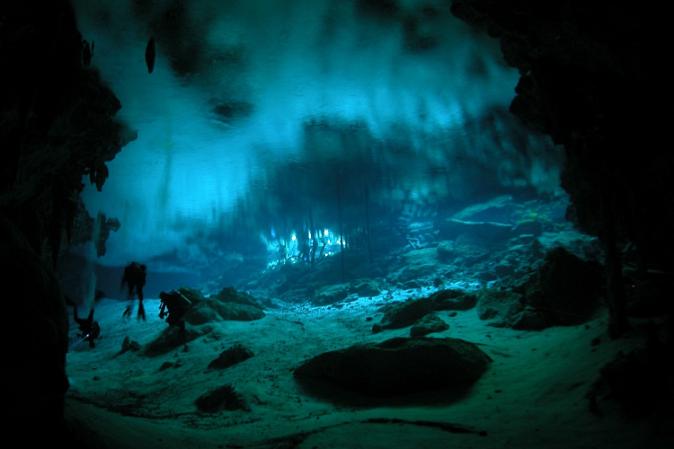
(532, 396)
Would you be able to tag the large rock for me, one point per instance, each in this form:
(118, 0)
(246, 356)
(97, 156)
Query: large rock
(330, 294)
(398, 366)
(499, 305)
(639, 381)
(446, 251)
(238, 312)
(484, 231)
(565, 290)
(222, 398)
(582, 245)
(228, 304)
(407, 313)
(365, 287)
(231, 295)
(451, 299)
(428, 325)
(171, 338)
(417, 264)
(200, 314)
(230, 357)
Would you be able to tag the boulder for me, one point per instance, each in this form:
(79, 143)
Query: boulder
(228, 304)
(487, 232)
(238, 312)
(330, 294)
(231, 295)
(195, 296)
(407, 313)
(231, 304)
(201, 313)
(639, 382)
(428, 325)
(530, 226)
(446, 251)
(398, 366)
(451, 299)
(172, 338)
(498, 304)
(364, 288)
(577, 243)
(222, 398)
(231, 356)
(129, 345)
(564, 290)
(168, 365)
(529, 319)
(417, 264)
(413, 273)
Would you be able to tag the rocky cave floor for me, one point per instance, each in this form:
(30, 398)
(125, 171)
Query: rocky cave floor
(532, 396)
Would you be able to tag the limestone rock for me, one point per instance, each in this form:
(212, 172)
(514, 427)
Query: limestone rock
(451, 299)
(172, 338)
(331, 294)
(546, 297)
(399, 366)
(428, 325)
(365, 288)
(222, 398)
(498, 304)
(231, 356)
(129, 345)
(406, 313)
(231, 304)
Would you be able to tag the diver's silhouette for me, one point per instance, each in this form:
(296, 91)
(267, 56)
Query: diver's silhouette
(134, 278)
(174, 306)
(90, 330)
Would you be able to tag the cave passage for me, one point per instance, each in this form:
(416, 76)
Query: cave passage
(331, 224)
(263, 124)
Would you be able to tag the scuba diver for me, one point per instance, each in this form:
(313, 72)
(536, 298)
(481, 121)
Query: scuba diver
(90, 330)
(174, 306)
(134, 278)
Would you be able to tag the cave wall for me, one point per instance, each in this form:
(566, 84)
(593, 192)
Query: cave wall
(581, 83)
(56, 125)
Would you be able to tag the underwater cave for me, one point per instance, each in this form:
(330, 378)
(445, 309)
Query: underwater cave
(332, 224)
